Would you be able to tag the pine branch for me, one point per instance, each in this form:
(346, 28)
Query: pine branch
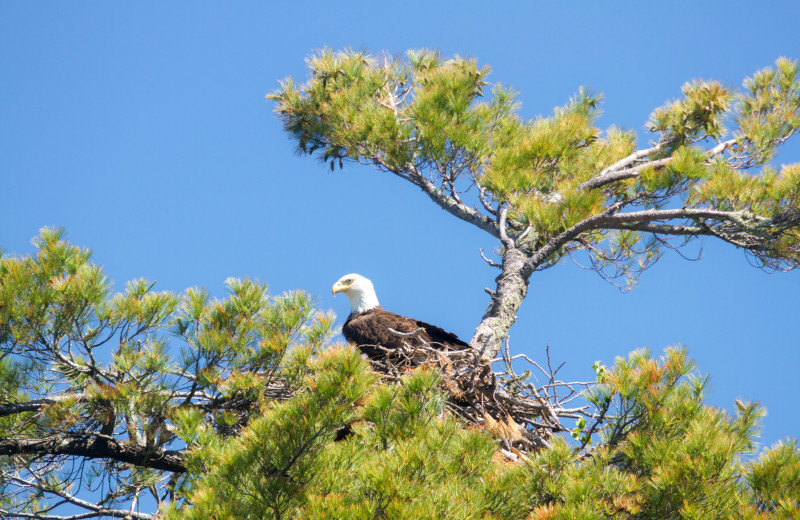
(99, 512)
(681, 213)
(454, 207)
(94, 510)
(622, 170)
(743, 220)
(37, 404)
(662, 229)
(619, 175)
(96, 446)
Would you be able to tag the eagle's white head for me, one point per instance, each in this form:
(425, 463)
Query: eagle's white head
(359, 290)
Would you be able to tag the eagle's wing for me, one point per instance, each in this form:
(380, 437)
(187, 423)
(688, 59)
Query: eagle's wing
(439, 337)
(371, 328)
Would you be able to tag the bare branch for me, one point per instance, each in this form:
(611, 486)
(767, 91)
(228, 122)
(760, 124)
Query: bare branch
(721, 148)
(608, 218)
(95, 510)
(484, 200)
(489, 260)
(414, 334)
(690, 213)
(100, 512)
(620, 170)
(623, 164)
(663, 229)
(627, 173)
(448, 203)
(632, 158)
(501, 226)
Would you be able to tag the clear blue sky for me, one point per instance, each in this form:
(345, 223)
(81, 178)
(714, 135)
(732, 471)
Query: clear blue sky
(142, 129)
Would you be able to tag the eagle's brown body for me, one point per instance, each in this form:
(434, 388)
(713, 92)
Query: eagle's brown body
(370, 328)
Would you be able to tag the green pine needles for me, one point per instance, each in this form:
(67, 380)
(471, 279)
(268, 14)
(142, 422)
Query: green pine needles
(436, 123)
(664, 454)
(187, 406)
(558, 185)
(147, 404)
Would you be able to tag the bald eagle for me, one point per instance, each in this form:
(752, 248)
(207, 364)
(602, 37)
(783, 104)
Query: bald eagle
(368, 324)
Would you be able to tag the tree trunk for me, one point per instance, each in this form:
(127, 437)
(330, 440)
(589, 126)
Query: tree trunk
(512, 286)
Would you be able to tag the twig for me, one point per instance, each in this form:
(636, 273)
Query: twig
(489, 261)
(415, 334)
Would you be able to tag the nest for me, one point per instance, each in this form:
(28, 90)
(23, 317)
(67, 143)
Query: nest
(520, 414)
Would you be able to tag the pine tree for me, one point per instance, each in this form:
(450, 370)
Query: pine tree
(148, 403)
(558, 185)
(90, 399)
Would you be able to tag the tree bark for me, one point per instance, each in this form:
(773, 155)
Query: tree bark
(506, 299)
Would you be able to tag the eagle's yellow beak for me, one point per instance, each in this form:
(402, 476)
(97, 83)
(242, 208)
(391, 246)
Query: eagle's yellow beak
(337, 287)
